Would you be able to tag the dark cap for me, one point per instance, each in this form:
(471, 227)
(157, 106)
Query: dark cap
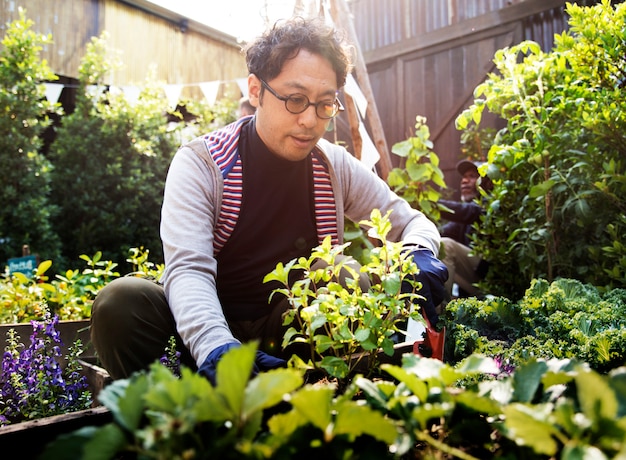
(465, 165)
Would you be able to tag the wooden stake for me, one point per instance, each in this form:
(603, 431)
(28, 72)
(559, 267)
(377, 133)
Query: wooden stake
(341, 16)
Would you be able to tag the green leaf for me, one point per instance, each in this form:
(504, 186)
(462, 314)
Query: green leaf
(402, 148)
(269, 388)
(314, 404)
(541, 189)
(417, 386)
(596, 397)
(481, 404)
(527, 379)
(93, 443)
(284, 425)
(124, 398)
(165, 391)
(43, 267)
(233, 372)
(362, 334)
(529, 426)
(478, 364)
(581, 452)
(354, 419)
(392, 283)
(418, 171)
(104, 444)
(337, 367)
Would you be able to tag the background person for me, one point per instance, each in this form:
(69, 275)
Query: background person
(244, 107)
(262, 190)
(464, 267)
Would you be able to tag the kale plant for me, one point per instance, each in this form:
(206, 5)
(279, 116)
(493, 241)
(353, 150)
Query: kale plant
(563, 319)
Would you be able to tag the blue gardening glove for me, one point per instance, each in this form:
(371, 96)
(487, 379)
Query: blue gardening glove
(432, 275)
(263, 362)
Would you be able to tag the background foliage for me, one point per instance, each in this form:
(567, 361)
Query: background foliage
(558, 208)
(110, 160)
(99, 187)
(25, 211)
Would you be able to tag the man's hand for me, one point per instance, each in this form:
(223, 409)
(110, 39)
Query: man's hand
(432, 275)
(263, 362)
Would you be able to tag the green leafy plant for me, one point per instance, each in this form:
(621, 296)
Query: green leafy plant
(69, 295)
(141, 266)
(422, 409)
(558, 206)
(563, 319)
(341, 324)
(26, 211)
(420, 180)
(157, 413)
(545, 409)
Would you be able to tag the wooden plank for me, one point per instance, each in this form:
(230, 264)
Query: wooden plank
(469, 26)
(341, 16)
(353, 118)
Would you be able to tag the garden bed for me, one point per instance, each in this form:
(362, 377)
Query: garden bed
(29, 438)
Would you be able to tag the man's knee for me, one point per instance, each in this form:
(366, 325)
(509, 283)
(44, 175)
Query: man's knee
(130, 324)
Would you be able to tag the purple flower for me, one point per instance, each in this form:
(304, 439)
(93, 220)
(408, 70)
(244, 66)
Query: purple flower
(33, 383)
(506, 368)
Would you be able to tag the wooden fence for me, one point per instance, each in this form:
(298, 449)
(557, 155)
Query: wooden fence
(426, 57)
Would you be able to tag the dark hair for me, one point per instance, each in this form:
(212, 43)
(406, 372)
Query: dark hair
(266, 55)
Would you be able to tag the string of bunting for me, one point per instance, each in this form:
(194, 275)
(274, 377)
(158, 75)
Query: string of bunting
(210, 89)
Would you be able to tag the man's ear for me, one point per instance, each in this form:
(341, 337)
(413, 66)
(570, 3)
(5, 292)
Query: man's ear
(254, 90)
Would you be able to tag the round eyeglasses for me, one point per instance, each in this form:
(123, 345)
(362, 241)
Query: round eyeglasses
(298, 103)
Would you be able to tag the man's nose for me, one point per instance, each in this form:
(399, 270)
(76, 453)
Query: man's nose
(308, 118)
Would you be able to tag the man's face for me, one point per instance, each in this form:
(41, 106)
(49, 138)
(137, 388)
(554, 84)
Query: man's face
(293, 136)
(469, 191)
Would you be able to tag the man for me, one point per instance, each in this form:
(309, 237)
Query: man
(263, 190)
(244, 108)
(464, 267)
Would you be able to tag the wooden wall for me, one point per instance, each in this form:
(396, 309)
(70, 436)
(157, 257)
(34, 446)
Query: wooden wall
(425, 57)
(180, 52)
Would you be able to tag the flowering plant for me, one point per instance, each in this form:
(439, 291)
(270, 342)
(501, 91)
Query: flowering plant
(33, 382)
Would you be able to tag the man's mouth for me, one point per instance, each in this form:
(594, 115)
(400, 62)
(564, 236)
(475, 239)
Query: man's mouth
(303, 141)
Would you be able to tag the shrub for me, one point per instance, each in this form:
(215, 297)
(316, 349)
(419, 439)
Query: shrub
(418, 179)
(110, 160)
(545, 409)
(558, 208)
(69, 295)
(26, 212)
(337, 322)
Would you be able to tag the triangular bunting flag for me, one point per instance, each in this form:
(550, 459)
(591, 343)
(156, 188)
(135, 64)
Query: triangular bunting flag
(172, 92)
(243, 86)
(369, 153)
(209, 89)
(131, 93)
(53, 91)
